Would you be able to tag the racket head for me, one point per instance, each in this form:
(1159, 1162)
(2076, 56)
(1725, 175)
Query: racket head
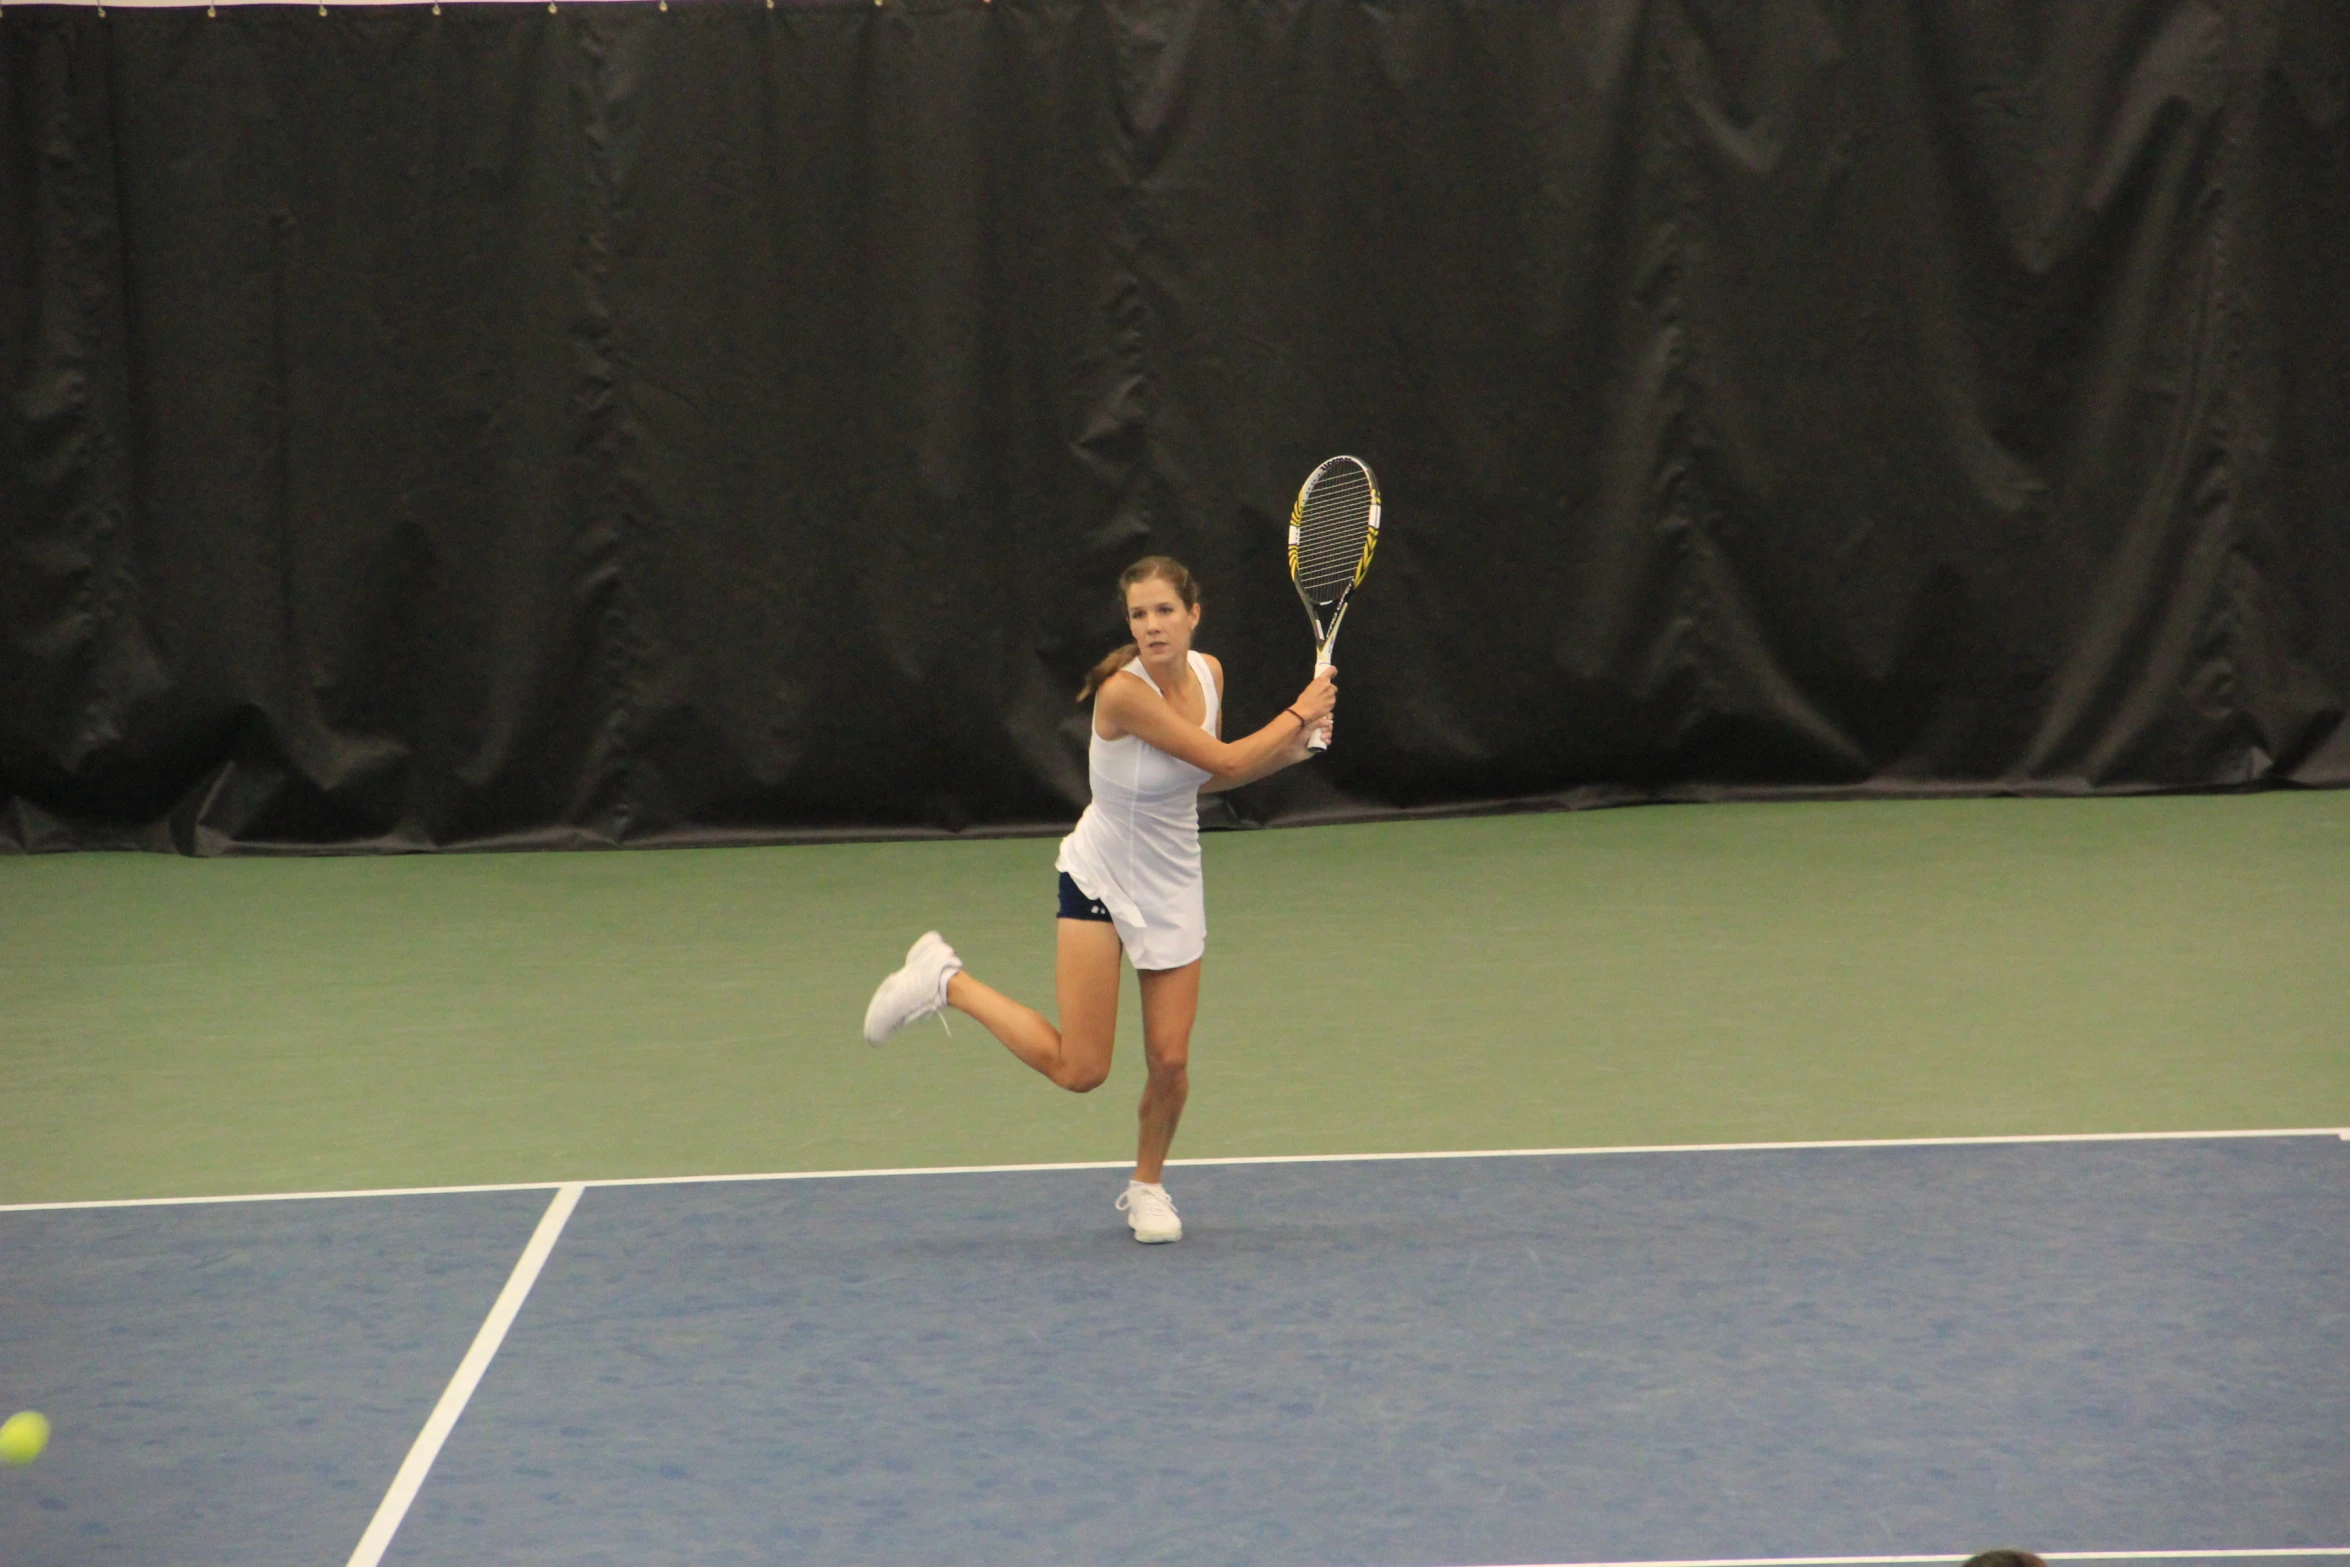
(1333, 529)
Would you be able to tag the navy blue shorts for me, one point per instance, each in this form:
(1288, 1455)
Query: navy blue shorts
(1075, 905)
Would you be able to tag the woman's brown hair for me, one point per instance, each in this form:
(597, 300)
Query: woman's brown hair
(1162, 568)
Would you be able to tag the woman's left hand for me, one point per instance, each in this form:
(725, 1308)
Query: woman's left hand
(1298, 750)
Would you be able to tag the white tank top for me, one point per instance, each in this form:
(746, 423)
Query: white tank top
(1136, 848)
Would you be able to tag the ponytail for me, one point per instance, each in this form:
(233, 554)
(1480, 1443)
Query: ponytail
(1106, 668)
(1166, 569)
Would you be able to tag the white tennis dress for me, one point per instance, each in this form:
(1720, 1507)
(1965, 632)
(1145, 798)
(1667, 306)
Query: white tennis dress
(1136, 848)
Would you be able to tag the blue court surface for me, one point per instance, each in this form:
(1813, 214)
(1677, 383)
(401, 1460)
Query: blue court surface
(1872, 1351)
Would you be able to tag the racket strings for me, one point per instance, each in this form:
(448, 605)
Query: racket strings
(1333, 526)
(1326, 579)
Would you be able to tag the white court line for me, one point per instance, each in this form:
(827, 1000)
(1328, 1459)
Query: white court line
(455, 1396)
(2343, 1133)
(1908, 1561)
(195, 1202)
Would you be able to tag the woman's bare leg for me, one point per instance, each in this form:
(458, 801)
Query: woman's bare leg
(1170, 1003)
(1085, 970)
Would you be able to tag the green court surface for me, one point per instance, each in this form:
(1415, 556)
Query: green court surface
(1696, 974)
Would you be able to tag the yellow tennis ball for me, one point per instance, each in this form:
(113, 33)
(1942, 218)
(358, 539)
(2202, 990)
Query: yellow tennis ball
(22, 1436)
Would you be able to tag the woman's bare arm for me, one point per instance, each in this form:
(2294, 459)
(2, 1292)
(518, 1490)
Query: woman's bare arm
(1286, 757)
(1129, 705)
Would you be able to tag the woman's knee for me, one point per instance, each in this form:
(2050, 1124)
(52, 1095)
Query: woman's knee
(1084, 1065)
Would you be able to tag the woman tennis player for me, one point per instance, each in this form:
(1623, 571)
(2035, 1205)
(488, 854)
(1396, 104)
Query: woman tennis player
(1129, 875)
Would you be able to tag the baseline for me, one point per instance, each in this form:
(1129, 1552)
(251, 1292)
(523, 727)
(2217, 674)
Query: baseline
(1212, 1162)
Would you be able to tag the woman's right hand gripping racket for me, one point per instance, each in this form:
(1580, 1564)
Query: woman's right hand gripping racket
(1332, 532)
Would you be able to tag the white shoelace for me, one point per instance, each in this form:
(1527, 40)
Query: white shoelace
(938, 1001)
(1149, 1198)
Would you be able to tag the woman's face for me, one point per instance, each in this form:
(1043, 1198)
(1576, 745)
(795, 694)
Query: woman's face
(1160, 623)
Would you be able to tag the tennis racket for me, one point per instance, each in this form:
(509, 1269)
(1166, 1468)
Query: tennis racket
(1332, 531)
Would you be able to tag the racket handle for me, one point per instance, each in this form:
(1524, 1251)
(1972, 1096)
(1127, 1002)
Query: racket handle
(1318, 741)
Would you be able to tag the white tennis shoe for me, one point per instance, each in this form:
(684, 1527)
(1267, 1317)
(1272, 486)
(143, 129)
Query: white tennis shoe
(917, 990)
(1150, 1214)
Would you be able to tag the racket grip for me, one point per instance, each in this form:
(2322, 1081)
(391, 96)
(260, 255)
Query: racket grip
(1318, 742)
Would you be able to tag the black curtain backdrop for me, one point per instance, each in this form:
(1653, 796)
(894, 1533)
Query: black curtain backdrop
(720, 423)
